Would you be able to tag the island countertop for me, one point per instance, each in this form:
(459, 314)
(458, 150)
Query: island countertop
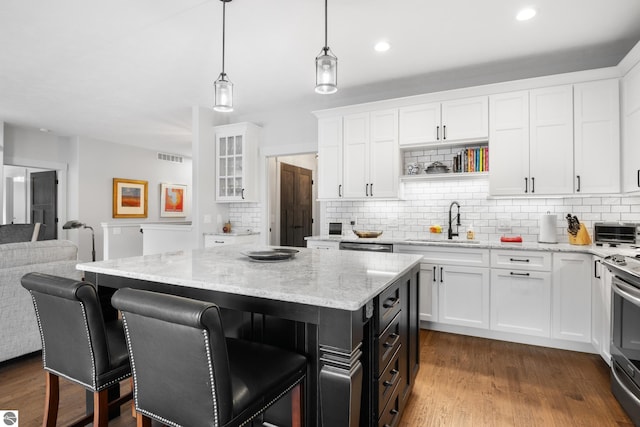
(344, 280)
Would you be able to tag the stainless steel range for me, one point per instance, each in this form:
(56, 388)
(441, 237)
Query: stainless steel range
(625, 332)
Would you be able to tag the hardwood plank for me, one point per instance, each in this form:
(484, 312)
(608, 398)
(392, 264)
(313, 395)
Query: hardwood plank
(463, 381)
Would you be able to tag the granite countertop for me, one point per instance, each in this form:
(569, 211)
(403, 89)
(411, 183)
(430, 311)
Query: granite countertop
(233, 233)
(344, 280)
(602, 251)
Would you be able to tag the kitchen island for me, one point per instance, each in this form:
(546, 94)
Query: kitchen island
(355, 315)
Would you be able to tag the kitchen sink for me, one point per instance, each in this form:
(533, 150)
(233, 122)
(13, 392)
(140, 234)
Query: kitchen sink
(472, 242)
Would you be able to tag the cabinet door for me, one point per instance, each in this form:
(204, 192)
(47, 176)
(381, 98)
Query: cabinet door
(597, 304)
(631, 126)
(509, 143)
(420, 124)
(356, 155)
(465, 119)
(597, 136)
(230, 149)
(330, 158)
(429, 292)
(605, 351)
(384, 155)
(572, 297)
(463, 296)
(551, 140)
(521, 302)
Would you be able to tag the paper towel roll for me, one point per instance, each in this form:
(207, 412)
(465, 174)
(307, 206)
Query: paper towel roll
(548, 226)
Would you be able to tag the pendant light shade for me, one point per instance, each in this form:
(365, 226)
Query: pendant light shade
(326, 65)
(223, 88)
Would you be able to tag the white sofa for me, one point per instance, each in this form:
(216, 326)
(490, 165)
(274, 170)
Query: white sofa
(18, 326)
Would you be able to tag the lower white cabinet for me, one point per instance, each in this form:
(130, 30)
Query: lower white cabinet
(428, 292)
(213, 240)
(601, 309)
(323, 244)
(521, 302)
(463, 296)
(571, 297)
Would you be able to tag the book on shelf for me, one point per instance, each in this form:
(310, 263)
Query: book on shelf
(471, 159)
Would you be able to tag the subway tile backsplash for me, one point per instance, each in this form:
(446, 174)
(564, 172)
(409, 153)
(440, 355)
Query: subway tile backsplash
(245, 216)
(427, 203)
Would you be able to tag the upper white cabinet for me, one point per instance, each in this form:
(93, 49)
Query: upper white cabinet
(597, 136)
(444, 122)
(237, 162)
(330, 158)
(550, 141)
(371, 158)
(631, 126)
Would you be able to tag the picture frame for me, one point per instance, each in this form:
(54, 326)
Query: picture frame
(130, 198)
(173, 200)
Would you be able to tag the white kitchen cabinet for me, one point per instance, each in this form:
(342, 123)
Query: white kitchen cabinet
(597, 137)
(509, 143)
(330, 158)
(631, 130)
(521, 302)
(440, 123)
(531, 142)
(428, 292)
(454, 284)
(551, 140)
(371, 159)
(237, 162)
(601, 309)
(571, 296)
(521, 292)
(463, 296)
(323, 244)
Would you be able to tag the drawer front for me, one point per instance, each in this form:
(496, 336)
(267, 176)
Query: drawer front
(322, 244)
(388, 306)
(521, 260)
(447, 255)
(388, 381)
(388, 344)
(391, 413)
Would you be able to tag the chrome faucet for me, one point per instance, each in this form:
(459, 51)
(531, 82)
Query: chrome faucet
(450, 232)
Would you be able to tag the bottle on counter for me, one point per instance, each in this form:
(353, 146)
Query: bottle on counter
(470, 234)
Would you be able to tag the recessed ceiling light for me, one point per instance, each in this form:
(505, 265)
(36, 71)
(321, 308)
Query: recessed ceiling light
(382, 46)
(45, 130)
(526, 14)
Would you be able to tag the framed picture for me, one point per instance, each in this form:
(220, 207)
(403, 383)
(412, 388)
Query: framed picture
(129, 198)
(173, 200)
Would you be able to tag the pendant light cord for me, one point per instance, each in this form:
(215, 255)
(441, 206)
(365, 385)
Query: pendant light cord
(224, 4)
(326, 44)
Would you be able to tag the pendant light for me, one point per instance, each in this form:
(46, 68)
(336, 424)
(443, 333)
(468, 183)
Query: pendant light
(326, 65)
(223, 88)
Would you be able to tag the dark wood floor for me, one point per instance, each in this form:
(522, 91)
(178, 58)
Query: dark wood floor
(463, 381)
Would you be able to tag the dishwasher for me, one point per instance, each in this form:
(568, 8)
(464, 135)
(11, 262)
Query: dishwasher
(366, 246)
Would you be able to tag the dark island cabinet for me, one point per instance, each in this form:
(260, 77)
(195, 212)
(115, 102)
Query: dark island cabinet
(396, 347)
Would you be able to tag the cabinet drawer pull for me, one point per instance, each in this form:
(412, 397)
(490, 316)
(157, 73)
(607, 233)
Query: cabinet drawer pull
(438, 134)
(243, 194)
(340, 190)
(518, 260)
(578, 189)
(371, 189)
(519, 274)
(218, 241)
(533, 184)
(444, 132)
(434, 273)
(638, 177)
(388, 344)
(394, 302)
(595, 269)
(526, 184)
(367, 190)
(387, 383)
(441, 279)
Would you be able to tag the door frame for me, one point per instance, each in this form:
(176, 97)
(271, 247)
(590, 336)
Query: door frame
(62, 172)
(268, 162)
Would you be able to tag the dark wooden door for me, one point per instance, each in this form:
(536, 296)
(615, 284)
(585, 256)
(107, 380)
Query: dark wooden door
(44, 205)
(295, 205)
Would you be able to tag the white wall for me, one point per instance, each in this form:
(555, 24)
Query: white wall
(1, 157)
(99, 163)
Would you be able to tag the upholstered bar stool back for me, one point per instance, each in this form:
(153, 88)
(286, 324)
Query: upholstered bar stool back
(186, 373)
(76, 342)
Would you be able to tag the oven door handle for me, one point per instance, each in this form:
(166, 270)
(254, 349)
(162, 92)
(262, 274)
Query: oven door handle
(623, 385)
(627, 292)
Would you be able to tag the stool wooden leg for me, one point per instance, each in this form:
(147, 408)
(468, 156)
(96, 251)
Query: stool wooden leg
(296, 406)
(142, 421)
(101, 408)
(52, 397)
(133, 403)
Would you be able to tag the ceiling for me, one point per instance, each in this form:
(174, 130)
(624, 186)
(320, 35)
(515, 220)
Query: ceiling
(131, 71)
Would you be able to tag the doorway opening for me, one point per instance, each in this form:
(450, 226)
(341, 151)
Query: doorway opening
(292, 168)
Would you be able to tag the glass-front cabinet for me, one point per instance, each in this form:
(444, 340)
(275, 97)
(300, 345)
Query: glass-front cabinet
(236, 162)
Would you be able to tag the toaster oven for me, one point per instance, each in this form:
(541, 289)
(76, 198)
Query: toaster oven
(616, 233)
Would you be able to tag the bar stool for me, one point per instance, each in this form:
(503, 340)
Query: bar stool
(186, 373)
(77, 344)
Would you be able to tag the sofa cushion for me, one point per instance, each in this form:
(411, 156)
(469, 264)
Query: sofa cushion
(26, 253)
(12, 233)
